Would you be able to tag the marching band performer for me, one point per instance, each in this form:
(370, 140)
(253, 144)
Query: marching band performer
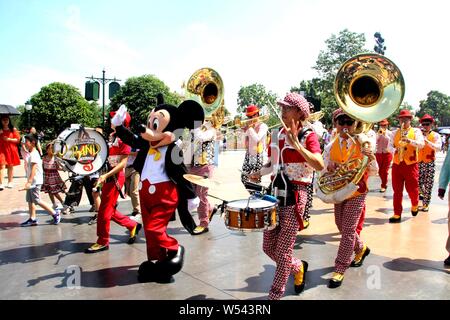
(406, 141)
(299, 157)
(202, 164)
(427, 157)
(347, 214)
(112, 182)
(255, 143)
(383, 153)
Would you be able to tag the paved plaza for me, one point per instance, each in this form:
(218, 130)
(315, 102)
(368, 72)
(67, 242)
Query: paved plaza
(406, 260)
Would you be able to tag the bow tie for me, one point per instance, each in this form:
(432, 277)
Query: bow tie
(155, 152)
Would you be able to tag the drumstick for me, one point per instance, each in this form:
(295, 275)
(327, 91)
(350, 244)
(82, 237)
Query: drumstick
(209, 195)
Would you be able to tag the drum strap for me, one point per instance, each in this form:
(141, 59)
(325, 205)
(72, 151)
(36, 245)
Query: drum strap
(114, 178)
(118, 187)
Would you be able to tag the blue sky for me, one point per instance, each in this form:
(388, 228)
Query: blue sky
(274, 43)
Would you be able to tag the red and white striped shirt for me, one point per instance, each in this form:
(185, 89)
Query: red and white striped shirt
(295, 166)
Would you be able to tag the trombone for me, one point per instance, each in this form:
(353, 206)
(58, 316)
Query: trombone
(250, 122)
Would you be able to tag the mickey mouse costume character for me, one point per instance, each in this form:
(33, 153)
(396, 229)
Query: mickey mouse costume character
(162, 187)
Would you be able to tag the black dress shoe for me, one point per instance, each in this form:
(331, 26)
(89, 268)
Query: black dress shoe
(299, 287)
(395, 219)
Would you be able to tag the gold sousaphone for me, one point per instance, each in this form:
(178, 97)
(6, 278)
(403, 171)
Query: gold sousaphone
(206, 87)
(368, 87)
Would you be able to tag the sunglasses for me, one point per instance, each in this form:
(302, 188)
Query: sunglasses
(426, 123)
(343, 122)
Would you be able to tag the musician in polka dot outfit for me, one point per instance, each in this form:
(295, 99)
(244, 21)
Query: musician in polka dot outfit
(298, 158)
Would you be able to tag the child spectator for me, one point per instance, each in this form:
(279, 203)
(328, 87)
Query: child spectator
(33, 185)
(53, 184)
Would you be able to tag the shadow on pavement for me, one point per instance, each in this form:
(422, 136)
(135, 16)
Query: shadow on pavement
(256, 283)
(412, 265)
(102, 278)
(36, 253)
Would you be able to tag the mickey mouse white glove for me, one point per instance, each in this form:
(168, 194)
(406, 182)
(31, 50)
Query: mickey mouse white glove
(120, 116)
(193, 203)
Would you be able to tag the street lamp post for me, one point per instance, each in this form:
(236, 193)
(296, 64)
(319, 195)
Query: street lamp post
(28, 107)
(379, 47)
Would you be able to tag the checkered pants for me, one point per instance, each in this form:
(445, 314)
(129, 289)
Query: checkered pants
(251, 164)
(278, 244)
(346, 216)
(426, 180)
(309, 200)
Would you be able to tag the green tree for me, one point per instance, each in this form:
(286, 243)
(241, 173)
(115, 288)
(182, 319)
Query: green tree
(436, 105)
(258, 95)
(138, 94)
(308, 89)
(20, 122)
(57, 106)
(340, 48)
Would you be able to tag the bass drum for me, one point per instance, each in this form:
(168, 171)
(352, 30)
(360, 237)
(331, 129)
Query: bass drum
(81, 150)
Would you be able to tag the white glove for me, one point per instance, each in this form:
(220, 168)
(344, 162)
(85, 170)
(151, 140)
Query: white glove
(120, 116)
(193, 203)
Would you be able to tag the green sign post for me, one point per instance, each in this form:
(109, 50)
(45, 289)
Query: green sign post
(92, 89)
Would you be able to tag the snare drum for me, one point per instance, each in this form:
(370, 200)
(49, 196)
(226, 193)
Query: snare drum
(82, 150)
(251, 215)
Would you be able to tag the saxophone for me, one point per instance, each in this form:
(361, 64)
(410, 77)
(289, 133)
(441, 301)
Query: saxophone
(402, 143)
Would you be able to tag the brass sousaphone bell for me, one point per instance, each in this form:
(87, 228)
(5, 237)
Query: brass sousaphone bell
(206, 87)
(368, 87)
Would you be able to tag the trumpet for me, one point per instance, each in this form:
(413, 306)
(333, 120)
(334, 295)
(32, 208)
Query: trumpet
(382, 131)
(250, 122)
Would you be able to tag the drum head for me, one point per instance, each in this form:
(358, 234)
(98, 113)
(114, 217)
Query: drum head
(83, 151)
(252, 204)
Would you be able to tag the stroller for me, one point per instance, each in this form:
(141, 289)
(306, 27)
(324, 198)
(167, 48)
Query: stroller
(73, 196)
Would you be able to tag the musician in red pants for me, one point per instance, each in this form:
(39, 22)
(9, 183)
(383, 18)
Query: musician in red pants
(407, 141)
(383, 153)
(112, 182)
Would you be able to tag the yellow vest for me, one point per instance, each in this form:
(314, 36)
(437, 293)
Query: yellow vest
(427, 154)
(411, 153)
(354, 152)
